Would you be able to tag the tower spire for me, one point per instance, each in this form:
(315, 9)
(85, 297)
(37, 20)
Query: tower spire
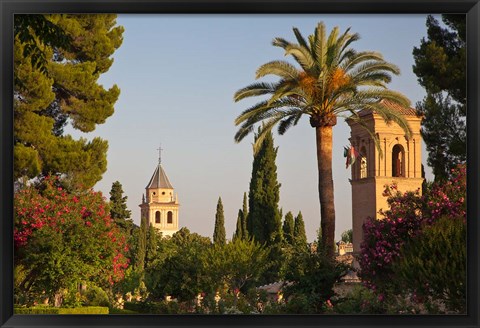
(160, 154)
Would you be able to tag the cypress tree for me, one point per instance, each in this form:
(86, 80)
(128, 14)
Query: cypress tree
(239, 229)
(264, 222)
(118, 208)
(288, 228)
(300, 237)
(142, 245)
(244, 216)
(219, 234)
(151, 246)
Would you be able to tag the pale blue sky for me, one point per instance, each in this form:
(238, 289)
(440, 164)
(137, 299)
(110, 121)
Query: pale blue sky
(178, 74)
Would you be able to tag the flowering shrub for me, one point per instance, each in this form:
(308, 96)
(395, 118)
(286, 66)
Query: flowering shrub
(409, 212)
(62, 239)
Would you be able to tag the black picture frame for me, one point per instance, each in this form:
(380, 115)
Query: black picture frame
(10, 7)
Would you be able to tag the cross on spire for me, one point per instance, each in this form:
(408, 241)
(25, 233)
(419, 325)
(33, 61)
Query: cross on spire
(160, 154)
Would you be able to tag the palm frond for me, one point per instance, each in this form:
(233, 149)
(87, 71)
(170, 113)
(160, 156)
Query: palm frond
(254, 89)
(280, 42)
(350, 53)
(300, 39)
(391, 95)
(348, 39)
(390, 115)
(301, 55)
(263, 131)
(288, 122)
(284, 90)
(242, 133)
(357, 119)
(320, 44)
(277, 67)
(360, 57)
(263, 110)
(377, 67)
(378, 80)
(333, 48)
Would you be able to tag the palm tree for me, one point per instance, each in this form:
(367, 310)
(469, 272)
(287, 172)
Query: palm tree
(333, 80)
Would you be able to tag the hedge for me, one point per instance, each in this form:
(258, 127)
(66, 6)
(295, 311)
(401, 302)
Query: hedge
(56, 310)
(121, 311)
(152, 307)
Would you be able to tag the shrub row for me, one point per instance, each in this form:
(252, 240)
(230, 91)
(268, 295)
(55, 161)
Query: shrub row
(55, 310)
(152, 307)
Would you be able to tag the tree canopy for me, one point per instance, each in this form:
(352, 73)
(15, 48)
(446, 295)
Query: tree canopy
(440, 65)
(55, 84)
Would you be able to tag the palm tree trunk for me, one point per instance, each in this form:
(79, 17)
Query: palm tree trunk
(325, 188)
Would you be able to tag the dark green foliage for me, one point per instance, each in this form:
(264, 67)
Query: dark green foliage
(235, 264)
(30, 27)
(361, 300)
(153, 307)
(121, 311)
(300, 237)
(245, 216)
(433, 264)
(264, 220)
(444, 133)
(440, 65)
(347, 236)
(96, 296)
(440, 61)
(313, 279)
(219, 234)
(57, 310)
(179, 269)
(118, 208)
(57, 66)
(151, 246)
(277, 264)
(288, 228)
(142, 245)
(239, 232)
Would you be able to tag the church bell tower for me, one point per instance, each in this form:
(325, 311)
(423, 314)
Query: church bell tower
(401, 163)
(160, 207)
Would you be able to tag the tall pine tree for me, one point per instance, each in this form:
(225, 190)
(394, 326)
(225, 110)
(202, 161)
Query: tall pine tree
(219, 234)
(288, 228)
(440, 65)
(55, 82)
(264, 222)
(118, 208)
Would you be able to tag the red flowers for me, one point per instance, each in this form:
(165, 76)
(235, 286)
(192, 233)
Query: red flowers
(81, 222)
(408, 213)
